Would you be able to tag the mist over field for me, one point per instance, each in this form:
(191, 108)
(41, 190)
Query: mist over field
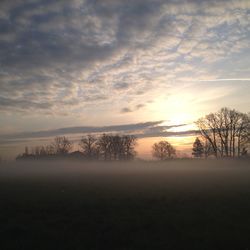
(175, 204)
(178, 174)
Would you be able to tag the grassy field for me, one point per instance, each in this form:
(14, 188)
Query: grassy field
(181, 204)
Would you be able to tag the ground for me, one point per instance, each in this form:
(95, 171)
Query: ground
(181, 204)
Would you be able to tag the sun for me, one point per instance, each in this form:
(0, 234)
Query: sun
(175, 110)
(180, 118)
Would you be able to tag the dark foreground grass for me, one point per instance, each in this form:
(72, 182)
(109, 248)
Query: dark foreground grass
(173, 205)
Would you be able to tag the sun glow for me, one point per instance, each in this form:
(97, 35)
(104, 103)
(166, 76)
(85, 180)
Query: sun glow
(181, 143)
(177, 109)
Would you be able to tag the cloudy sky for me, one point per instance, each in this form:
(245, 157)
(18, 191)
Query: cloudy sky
(89, 63)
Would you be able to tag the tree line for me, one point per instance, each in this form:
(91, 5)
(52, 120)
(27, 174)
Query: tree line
(104, 147)
(225, 133)
(221, 134)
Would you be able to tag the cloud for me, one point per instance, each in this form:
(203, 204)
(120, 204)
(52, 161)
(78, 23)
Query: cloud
(168, 134)
(121, 86)
(63, 55)
(126, 110)
(139, 106)
(140, 130)
(22, 104)
(84, 130)
(135, 108)
(225, 80)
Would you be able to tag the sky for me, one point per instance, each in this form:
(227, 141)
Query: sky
(146, 66)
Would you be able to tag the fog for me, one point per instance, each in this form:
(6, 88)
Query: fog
(136, 177)
(125, 205)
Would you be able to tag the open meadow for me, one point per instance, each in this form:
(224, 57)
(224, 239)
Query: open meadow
(178, 204)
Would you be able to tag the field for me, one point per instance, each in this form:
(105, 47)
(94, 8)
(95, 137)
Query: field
(179, 204)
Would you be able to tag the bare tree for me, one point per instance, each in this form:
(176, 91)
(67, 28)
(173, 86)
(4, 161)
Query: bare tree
(104, 144)
(62, 145)
(26, 150)
(208, 149)
(208, 131)
(116, 147)
(163, 150)
(50, 150)
(89, 146)
(243, 134)
(129, 143)
(227, 131)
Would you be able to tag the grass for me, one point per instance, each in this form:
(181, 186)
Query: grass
(141, 205)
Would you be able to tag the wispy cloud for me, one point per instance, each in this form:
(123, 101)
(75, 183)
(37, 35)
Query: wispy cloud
(225, 80)
(141, 130)
(126, 110)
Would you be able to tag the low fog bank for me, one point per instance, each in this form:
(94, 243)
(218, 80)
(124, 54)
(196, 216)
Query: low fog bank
(136, 176)
(141, 167)
(125, 205)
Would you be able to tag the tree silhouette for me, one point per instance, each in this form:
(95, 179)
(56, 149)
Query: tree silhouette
(62, 145)
(116, 147)
(163, 150)
(89, 146)
(208, 149)
(129, 143)
(198, 148)
(106, 147)
(227, 131)
(104, 144)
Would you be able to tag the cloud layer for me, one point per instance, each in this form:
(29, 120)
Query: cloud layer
(140, 130)
(59, 57)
